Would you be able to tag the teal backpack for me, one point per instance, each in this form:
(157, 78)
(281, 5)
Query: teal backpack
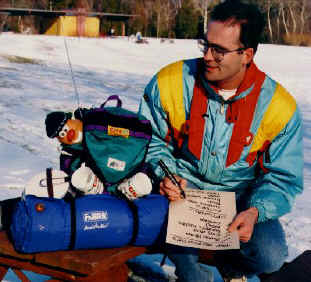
(115, 143)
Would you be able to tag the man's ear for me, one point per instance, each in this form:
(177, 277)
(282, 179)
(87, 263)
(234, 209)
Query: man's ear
(248, 55)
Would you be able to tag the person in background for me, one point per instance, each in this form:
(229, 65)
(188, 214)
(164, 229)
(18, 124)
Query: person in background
(112, 31)
(222, 124)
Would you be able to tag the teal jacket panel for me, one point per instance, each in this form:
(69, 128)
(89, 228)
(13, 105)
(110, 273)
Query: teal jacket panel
(273, 177)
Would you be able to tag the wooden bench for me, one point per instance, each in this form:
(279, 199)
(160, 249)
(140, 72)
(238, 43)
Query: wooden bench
(105, 265)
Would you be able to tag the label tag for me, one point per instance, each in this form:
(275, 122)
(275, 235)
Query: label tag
(118, 131)
(116, 164)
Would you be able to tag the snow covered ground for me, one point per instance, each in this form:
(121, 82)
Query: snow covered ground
(102, 67)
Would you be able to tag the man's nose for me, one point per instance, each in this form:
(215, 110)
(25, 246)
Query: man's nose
(208, 56)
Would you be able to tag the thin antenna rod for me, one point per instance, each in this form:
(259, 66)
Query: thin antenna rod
(72, 76)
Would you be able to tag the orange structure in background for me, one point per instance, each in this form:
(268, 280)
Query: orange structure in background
(78, 24)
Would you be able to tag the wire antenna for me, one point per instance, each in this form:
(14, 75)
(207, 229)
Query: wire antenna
(71, 72)
(72, 76)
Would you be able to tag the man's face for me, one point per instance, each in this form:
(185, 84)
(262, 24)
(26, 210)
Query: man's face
(225, 69)
(71, 132)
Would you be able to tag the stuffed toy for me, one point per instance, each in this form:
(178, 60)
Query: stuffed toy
(68, 130)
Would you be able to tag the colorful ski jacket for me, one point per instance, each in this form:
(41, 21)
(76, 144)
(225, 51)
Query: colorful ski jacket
(250, 144)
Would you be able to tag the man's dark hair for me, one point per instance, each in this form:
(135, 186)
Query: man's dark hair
(248, 16)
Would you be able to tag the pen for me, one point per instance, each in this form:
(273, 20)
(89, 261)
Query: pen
(172, 177)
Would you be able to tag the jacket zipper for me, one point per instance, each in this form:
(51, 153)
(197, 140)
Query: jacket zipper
(222, 108)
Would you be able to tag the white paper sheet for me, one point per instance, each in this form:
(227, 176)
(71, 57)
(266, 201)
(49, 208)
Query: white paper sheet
(202, 219)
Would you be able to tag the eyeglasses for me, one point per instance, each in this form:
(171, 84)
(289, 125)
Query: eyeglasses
(217, 51)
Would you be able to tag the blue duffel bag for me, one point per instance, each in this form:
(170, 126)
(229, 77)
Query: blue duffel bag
(89, 222)
(102, 221)
(41, 224)
(151, 219)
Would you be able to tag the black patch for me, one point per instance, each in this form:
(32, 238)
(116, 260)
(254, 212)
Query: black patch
(296, 271)
(130, 121)
(146, 98)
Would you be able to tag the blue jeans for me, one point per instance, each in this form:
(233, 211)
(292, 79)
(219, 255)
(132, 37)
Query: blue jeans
(187, 266)
(264, 253)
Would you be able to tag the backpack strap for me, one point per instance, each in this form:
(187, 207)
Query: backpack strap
(49, 182)
(111, 98)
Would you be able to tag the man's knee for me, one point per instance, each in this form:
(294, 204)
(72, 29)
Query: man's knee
(274, 248)
(271, 258)
(267, 249)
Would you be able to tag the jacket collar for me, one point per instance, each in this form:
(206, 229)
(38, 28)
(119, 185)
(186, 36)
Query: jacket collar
(243, 90)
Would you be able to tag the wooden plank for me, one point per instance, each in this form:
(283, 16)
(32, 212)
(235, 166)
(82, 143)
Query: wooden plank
(87, 261)
(27, 265)
(20, 275)
(3, 271)
(6, 248)
(104, 265)
(117, 274)
(80, 261)
(118, 258)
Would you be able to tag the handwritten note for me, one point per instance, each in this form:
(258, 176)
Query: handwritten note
(201, 221)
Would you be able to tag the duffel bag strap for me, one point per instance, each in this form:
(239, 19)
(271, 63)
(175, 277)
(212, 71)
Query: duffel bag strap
(49, 182)
(113, 97)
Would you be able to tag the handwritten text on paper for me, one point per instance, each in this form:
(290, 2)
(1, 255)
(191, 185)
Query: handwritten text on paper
(201, 221)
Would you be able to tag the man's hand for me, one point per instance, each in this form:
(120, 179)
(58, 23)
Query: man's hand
(244, 224)
(168, 189)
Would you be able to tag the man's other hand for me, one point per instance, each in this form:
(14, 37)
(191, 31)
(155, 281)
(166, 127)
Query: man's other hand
(171, 191)
(244, 224)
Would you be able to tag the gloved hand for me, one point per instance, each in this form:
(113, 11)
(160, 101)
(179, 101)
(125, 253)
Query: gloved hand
(137, 186)
(86, 181)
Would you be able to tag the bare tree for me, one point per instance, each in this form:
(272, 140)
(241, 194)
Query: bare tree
(282, 8)
(143, 8)
(165, 13)
(294, 14)
(159, 8)
(205, 6)
(269, 5)
(292, 9)
(303, 16)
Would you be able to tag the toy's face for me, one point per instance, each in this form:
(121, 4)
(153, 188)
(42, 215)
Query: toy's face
(72, 132)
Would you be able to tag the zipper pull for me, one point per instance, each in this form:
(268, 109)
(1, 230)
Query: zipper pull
(222, 108)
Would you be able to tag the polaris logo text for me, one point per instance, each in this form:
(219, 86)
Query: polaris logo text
(95, 216)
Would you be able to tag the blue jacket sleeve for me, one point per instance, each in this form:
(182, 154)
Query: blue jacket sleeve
(159, 148)
(275, 191)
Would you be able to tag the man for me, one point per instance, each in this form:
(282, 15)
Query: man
(222, 124)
